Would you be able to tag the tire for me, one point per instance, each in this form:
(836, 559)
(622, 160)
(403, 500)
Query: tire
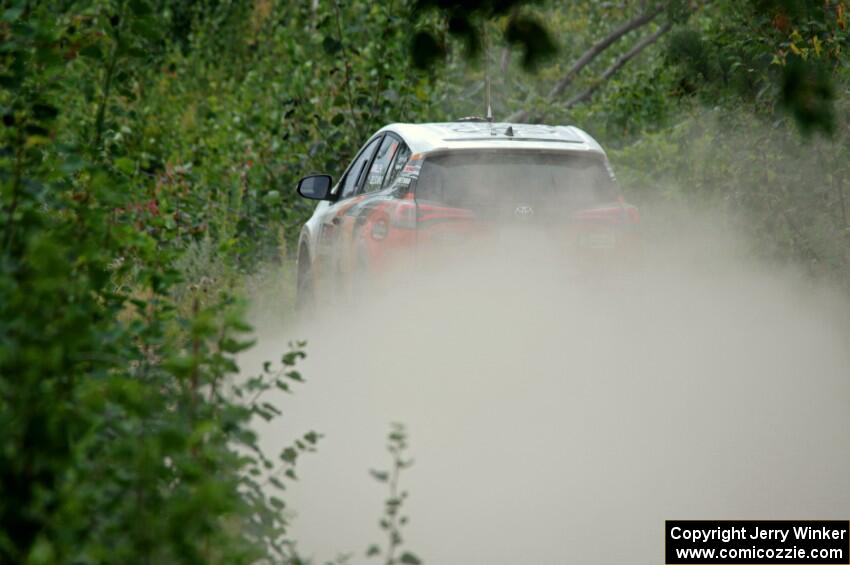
(305, 285)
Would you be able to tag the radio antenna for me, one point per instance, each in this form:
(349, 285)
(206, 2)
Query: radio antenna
(489, 107)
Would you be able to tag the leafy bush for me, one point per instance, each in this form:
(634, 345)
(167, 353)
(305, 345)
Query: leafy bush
(148, 153)
(125, 436)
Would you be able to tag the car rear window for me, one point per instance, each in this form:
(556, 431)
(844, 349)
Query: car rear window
(488, 180)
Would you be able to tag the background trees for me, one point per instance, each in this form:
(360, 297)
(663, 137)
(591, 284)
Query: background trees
(149, 154)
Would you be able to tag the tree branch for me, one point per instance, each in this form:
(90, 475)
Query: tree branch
(601, 46)
(594, 51)
(619, 64)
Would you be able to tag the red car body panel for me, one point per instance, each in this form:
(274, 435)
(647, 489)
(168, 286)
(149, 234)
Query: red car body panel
(395, 235)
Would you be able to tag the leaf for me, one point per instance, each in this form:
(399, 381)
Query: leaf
(271, 197)
(381, 476)
(92, 52)
(373, 550)
(181, 365)
(426, 50)
(289, 359)
(390, 95)
(229, 345)
(409, 559)
(535, 41)
(12, 14)
(44, 112)
(295, 376)
(140, 7)
(125, 165)
(331, 45)
(271, 408)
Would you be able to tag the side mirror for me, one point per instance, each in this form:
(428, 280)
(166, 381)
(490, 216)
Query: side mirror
(315, 187)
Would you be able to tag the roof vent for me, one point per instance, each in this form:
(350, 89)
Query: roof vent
(510, 131)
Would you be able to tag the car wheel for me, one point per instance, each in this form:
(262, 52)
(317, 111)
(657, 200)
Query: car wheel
(305, 285)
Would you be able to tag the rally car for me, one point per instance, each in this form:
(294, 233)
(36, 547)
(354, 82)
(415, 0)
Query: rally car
(412, 187)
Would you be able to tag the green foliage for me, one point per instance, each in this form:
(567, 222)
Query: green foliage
(148, 155)
(393, 520)
(775, 54)
(807, 93)
(467, 21)
(721, 115)
(227, 137)
(125, 437)
(786, 192)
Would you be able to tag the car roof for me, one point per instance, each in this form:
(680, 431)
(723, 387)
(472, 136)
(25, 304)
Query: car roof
(424, 138)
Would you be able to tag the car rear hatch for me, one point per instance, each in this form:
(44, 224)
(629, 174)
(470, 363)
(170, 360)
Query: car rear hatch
(565, 200)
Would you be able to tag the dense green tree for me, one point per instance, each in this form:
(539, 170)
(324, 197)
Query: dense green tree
(148, 155)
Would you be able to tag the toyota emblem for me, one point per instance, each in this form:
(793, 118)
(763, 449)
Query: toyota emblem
(524, 212)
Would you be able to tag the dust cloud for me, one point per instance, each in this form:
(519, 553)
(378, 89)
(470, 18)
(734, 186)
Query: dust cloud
(555, 419)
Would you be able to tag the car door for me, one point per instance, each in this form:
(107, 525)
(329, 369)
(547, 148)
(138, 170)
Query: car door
(391, 228)
(332, 225)
(368, 199)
